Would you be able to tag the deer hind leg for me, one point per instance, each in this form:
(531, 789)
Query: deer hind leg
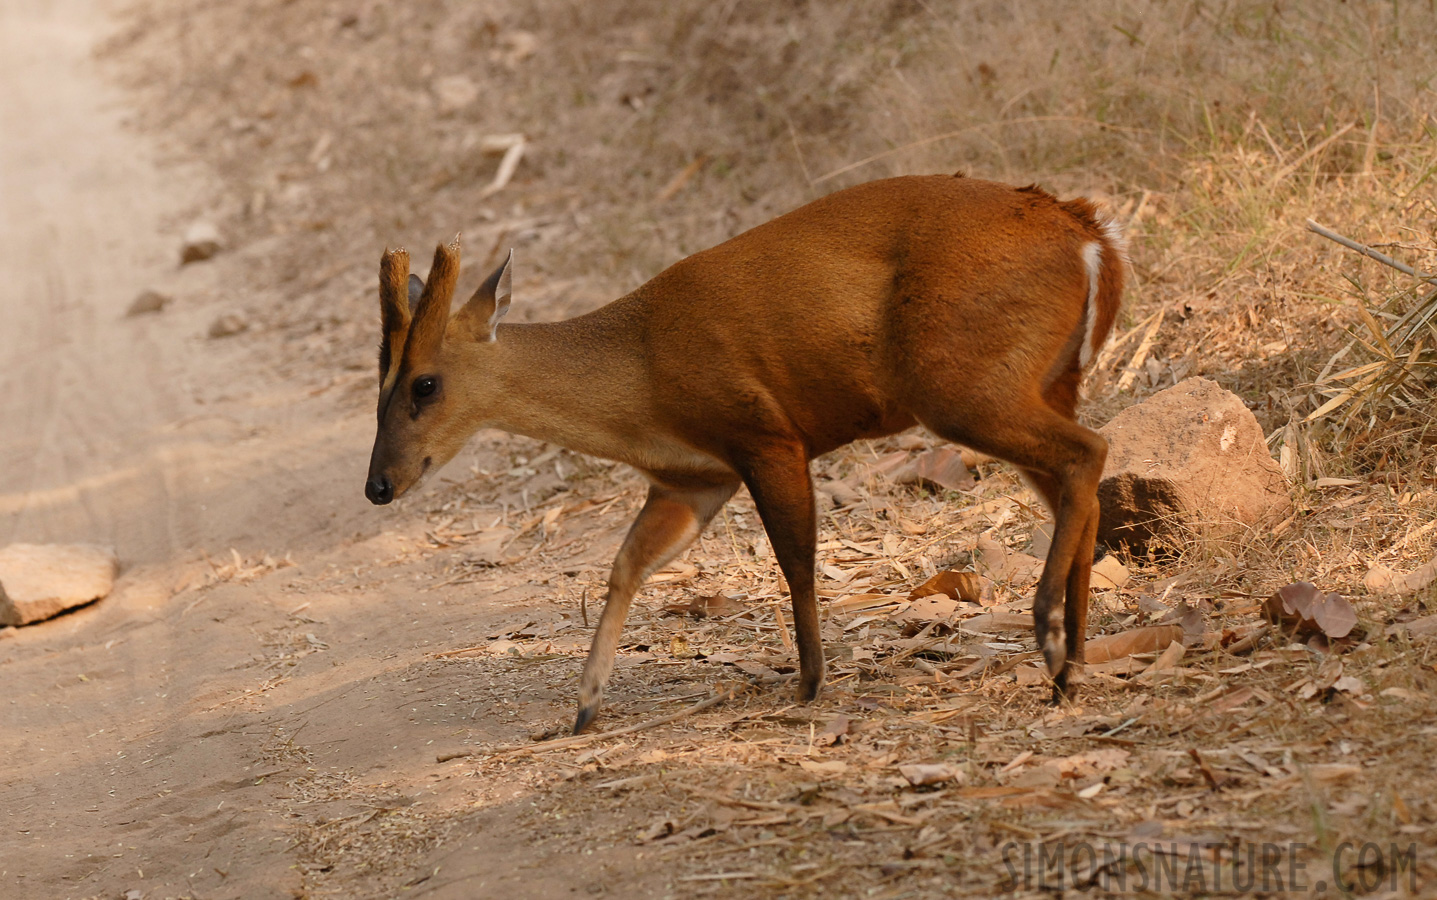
(782, 490)
(1075, 606)
(668, 523)
(1064, 461)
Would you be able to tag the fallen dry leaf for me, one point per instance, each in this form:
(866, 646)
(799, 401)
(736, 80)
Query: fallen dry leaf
(1166, 661)
(824, 768)
(1382, 580)
(679, 648)
(702, 607)
(970, 587)
(942, 467)
(1421, 627)
(1149, 639)
(1306, 610)
(1090, 762)
(933, 608)
(997, 562)
(1109, 574)
(918, 774)
(833, 733)
(998, 621)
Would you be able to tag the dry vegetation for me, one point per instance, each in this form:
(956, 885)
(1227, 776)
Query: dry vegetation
(655, 129)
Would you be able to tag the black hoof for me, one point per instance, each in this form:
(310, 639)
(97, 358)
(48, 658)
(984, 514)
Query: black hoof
(586, 717)
(1063, 688)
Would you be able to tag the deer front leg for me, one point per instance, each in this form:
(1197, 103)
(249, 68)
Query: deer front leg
(668, 523)
(783, 492)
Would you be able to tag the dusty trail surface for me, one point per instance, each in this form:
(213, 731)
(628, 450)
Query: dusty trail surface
(176, 738)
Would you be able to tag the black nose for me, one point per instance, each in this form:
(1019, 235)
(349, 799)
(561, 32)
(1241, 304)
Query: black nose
(379, 490)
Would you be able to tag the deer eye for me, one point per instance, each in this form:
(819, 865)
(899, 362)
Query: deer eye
(425, 385)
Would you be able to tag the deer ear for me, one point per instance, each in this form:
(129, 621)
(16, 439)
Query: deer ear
(481, 315)
(416, 290)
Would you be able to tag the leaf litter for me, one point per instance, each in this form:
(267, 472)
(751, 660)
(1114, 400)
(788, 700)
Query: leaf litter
(934, 739)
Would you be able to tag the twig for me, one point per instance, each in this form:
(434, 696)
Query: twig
(1368, 251)
(580, 740)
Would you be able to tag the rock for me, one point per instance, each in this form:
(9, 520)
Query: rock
(148, 302)
(453, 93)
(38, 581)
(1190, 461)
(227, 325)
(202, 240)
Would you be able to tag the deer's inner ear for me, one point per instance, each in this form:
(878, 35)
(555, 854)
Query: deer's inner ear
(416, 290)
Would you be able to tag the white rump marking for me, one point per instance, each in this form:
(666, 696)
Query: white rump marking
(1114, 233)
(1093, 262)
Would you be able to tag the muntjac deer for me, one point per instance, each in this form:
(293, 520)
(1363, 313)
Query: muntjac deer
(970, 307)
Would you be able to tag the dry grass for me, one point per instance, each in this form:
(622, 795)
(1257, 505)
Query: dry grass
(1215, 129)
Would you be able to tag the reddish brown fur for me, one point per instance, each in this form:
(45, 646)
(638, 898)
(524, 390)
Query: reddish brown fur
(956, 303)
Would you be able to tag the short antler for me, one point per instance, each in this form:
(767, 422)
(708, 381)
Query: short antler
(431, 315)
(393, 306)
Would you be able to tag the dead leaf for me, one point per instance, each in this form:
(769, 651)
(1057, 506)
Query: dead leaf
(832, 733)
(1306, 610)
(703, 607)
(1090, 762)
(1001, 564)
(1350, 684)
(661, 828)
(1230, 701)
(486, 548)
(942, 468)
(891, 463)
(1382, 580)
(933, 608)
(1138, 640)
(1420, 627)
(679, 648)
(970, 587)
(749, 667)
(675, 571)
(824, 768)
(1031, 676)
(1109, 574)
(919, 774)
(1166, 661)
(861, 602)
(998, 621)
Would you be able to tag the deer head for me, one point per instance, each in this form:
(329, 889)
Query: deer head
(432, 383)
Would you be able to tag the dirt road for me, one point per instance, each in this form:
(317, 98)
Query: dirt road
(186, 736)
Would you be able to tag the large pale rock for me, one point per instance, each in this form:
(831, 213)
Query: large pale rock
(1188, 462)
(38, 581)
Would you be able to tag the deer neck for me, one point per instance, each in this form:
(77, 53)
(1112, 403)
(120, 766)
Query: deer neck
(578, 383)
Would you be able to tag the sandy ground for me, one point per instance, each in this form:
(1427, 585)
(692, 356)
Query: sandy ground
(164, 740)
(257, 709)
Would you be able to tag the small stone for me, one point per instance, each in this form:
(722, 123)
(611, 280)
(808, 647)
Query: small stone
(1188, 462)
(38, 581)
(202, 240)
(228, 325)
(148, 302)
